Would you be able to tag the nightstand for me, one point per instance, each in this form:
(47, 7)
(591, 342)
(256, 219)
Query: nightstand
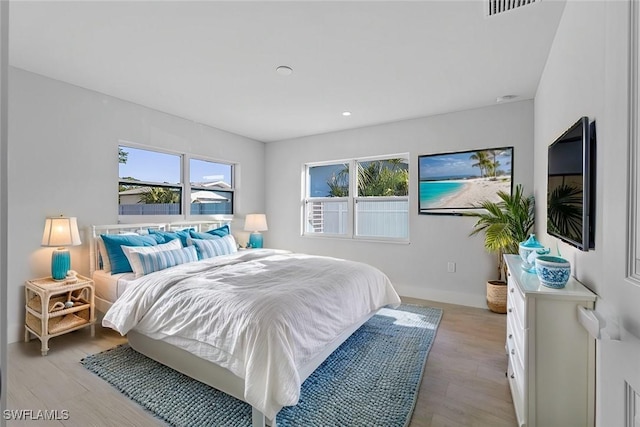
(46, 314)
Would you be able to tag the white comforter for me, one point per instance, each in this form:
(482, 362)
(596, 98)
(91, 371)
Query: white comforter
(262, 314)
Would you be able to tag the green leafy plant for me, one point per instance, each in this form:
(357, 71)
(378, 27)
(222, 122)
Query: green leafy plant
(375, 178)
(123, 156)
(155, 195)
(505, 223)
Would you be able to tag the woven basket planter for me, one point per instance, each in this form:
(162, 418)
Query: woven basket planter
(497, 296)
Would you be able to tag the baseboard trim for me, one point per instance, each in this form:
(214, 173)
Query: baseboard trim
(459, 298)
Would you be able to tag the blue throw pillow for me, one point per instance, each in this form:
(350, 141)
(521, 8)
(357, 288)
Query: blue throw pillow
(220, 231)
(216, 233)
(215, 247)
(172, 235)
(156, 261)
(118, 260)
(203, 236)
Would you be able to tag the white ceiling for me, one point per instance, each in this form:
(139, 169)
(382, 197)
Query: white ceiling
(214, 62)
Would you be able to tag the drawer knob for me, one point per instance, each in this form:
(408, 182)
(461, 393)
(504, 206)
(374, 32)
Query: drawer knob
(510, 310)
(511, 290)
(512, 376)
(513, 351)
(510, 336)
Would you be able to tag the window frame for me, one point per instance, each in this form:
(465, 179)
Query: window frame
(352, 200)
(187, 177)
(184, 186)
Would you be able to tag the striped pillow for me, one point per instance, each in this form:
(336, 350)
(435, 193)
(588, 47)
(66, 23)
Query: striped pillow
(156, 261)
(131, 251)
(215, 247)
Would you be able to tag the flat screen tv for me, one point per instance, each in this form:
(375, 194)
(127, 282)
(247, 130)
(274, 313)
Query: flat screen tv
(450, 183)
(570, 186)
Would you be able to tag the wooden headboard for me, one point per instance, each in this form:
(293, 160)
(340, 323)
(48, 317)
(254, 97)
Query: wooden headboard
(97, 230)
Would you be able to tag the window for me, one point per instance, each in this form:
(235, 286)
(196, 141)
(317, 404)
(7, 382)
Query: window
(382, 203)
(153, 183)
(149, 182)
(327, 203)
(211, 187)
(360, 198)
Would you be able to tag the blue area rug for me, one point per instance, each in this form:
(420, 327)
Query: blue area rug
(372, 379)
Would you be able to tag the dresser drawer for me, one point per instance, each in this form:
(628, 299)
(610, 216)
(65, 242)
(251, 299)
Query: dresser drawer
(516, 304)
(516, 374)
(517, 395)
(515, 315)
(516, 357)
(515, 334)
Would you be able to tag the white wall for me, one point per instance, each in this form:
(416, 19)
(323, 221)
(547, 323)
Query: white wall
(586, 74)
(62, 160)
(572, 86)
(418, 269)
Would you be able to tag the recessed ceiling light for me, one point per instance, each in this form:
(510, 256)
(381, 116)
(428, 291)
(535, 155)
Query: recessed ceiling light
(283, 70)
(505, 98)
(346, 113)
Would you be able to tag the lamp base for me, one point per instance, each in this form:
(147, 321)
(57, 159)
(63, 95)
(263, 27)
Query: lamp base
(255, 240)
(60, 263)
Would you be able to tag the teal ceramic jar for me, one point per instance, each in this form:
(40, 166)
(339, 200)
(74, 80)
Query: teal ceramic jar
(526, 248)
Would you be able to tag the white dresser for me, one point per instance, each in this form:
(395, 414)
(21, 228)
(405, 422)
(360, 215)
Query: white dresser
(551, 367)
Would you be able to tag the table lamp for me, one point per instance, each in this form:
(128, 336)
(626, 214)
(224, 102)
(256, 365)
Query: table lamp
(255, 223)
(59, 232)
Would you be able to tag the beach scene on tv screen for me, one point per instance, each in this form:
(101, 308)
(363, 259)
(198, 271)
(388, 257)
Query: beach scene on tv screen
(464, 179)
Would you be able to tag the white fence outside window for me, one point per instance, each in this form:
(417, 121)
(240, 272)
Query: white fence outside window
(382, 218)
(374, 218)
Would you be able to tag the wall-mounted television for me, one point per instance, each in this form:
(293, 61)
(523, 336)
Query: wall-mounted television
(450, 183)
(571, 186)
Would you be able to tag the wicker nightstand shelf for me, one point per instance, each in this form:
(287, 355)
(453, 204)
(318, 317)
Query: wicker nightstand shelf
(46, 314)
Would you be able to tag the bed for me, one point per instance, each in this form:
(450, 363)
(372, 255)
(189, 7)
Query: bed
(251, 323)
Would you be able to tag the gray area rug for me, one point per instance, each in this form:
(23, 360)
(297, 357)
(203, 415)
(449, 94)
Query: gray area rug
(372, 379)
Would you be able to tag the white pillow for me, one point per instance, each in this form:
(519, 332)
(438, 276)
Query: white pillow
(136, 265)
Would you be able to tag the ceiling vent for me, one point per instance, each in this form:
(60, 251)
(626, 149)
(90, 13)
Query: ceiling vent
(498, 6)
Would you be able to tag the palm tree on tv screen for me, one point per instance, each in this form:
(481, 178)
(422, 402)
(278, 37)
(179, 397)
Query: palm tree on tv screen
(495, 163)
(482, 161)
(565, 211)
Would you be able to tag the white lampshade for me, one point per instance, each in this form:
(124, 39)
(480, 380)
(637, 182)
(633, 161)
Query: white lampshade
(61, 231)
(255, 222)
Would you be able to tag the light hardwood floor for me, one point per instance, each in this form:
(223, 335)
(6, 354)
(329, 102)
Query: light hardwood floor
(463, 384)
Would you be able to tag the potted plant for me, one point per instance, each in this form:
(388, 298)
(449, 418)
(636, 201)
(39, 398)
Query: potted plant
(505, 224)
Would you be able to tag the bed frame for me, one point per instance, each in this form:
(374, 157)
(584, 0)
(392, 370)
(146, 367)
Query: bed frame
(189, 364)
(221, 378)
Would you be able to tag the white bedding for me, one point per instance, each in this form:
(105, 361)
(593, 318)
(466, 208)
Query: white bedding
(109, 286)
(262, 314)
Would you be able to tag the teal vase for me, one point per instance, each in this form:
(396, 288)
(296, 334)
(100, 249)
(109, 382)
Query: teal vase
(255, 240)
(60, 264)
